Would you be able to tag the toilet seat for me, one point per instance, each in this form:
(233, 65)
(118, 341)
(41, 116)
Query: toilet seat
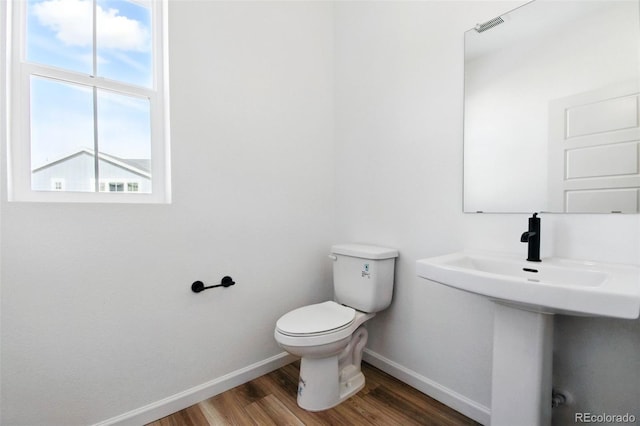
(338, 322)
(316, 320)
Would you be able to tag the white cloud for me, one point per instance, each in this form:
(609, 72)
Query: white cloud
(71, 21)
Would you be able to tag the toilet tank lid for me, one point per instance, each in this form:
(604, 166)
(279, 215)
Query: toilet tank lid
(364, 251)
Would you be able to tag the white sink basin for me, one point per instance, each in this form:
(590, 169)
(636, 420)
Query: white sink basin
(552, 286)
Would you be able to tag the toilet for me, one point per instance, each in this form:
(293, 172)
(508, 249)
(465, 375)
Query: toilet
(330, 336)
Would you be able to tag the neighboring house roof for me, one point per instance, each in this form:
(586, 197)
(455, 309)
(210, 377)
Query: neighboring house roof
(139, 166)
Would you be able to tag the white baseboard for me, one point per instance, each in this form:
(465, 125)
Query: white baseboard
(189, 397)
(458, 402)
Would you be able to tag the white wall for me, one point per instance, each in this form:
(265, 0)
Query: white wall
(97, 313)
(399, 183)
(260, 191)
(399, 178)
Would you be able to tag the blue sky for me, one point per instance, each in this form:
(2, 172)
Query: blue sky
(60, 34)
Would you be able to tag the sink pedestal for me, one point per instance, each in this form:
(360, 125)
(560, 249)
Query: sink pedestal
(522, 367)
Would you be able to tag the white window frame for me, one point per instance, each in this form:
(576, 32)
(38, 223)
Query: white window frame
(5, 29)
(16, 116)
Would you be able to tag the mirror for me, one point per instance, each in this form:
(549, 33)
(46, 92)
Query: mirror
(551, 109)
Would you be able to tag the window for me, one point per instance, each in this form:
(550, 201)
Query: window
(88, 100)
(119, 186)
(116, 187)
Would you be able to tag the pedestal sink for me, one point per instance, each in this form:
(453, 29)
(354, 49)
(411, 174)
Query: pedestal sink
(527, 294)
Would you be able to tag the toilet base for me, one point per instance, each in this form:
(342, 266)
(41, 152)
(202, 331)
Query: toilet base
(326, 382)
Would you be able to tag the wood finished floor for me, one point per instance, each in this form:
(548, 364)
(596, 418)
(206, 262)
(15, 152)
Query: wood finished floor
(271, 400)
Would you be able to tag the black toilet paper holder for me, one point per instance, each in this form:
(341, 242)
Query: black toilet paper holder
(199, 286)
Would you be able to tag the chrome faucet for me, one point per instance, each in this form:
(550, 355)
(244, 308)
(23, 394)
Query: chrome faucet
(532, 237)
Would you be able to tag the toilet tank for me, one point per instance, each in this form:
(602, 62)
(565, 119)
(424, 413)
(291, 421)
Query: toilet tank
(363, 276)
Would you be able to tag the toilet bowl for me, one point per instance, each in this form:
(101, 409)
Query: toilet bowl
(330, 336)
